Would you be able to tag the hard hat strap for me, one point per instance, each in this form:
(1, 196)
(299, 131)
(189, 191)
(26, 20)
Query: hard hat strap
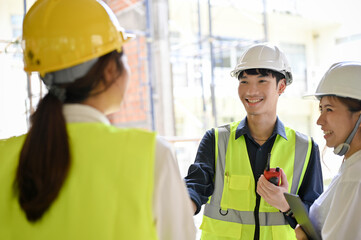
(344, 147)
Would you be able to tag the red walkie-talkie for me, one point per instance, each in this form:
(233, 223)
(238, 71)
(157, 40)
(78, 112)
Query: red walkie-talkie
(272, 174)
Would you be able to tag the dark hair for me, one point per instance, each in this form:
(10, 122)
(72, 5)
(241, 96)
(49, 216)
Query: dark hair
(263, 72)
(45, 156)
(352, 104)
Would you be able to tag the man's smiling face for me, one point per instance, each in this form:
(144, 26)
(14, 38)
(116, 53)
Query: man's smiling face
(259, 94)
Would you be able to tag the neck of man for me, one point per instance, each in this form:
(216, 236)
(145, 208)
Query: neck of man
(261, 126)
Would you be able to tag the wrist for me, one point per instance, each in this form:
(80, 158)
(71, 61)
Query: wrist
(285, 206)
(288, 213)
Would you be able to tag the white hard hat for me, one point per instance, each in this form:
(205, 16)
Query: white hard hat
(265, 56)
(343, 79)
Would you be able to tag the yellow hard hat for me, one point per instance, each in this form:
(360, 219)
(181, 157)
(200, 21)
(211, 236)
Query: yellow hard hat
(61, 34)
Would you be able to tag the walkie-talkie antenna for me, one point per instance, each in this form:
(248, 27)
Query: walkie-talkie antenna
(268, 162)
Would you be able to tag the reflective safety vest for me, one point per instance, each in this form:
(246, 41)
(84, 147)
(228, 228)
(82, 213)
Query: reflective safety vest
(229, 213)
(107, 194)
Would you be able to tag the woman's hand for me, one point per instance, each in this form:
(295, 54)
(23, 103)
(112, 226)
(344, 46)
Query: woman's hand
(300, 234)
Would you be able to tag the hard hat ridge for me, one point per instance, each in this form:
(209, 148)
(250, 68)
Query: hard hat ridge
(265, 56)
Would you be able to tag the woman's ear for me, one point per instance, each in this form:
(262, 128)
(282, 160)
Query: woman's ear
(110, 71)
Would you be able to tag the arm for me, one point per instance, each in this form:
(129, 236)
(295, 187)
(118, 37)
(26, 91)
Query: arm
(300, 234)
(200, 176)
(172, 208)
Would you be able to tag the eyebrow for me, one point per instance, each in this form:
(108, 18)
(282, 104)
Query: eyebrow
(326, 105)
(261, 76)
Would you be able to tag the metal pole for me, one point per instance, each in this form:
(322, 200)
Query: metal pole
(214, 108)
(28, 82)
(149, 39)
(265, 23)
(200, 64)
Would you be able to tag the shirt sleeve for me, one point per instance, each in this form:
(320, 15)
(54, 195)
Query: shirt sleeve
(172, 206)
(312, 184)
(343, 219)
(200, 176)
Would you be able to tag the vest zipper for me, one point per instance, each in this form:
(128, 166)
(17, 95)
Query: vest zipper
(256, 217)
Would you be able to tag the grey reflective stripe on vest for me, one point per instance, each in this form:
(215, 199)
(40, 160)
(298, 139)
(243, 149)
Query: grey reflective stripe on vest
(300, 158)
(223, 137)
(212, 209)
(243, 217)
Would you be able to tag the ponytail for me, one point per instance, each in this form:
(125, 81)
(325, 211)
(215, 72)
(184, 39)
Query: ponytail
(44, 159)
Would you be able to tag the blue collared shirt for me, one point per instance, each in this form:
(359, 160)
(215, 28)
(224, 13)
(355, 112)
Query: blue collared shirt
(200, 176)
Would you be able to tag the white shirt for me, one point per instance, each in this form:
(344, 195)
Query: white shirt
(337, 211)
(171, 204)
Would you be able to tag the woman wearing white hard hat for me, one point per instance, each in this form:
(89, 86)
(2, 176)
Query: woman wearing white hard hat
(73, 175)
(337, 213)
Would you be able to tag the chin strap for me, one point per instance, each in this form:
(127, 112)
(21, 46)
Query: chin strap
(344, 147)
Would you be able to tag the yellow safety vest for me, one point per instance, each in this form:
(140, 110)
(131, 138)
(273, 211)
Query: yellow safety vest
(107, 194)
(229, 214)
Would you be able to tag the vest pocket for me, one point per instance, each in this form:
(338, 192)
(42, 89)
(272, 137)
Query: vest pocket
(239, 182)
(238, 194)
(213, 229)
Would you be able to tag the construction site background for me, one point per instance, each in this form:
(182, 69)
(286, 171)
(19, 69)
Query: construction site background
(181, 62)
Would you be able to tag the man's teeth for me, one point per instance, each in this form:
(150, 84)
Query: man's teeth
(254, 101)
(327, 132)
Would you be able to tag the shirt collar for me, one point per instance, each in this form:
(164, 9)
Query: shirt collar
(354, 158)
(243, 129)
(83, 113)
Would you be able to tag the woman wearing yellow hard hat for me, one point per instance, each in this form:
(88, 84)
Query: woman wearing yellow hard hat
(73, 175)
(336, 214)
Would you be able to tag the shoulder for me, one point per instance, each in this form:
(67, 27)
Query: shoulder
(100, 129)
(163, 146)
(9, 152)
(353, 169)
(15, 141)
(301, 136)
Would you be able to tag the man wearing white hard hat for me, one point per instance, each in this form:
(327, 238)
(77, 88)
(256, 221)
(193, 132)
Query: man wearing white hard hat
(337, 213)
(228, 172)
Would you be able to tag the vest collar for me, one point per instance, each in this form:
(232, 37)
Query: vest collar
(243, 129)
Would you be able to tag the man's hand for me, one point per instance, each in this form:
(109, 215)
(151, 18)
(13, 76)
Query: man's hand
(273, 194)
(300, 234)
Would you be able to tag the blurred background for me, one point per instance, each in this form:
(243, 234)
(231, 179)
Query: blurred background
(182, 58)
